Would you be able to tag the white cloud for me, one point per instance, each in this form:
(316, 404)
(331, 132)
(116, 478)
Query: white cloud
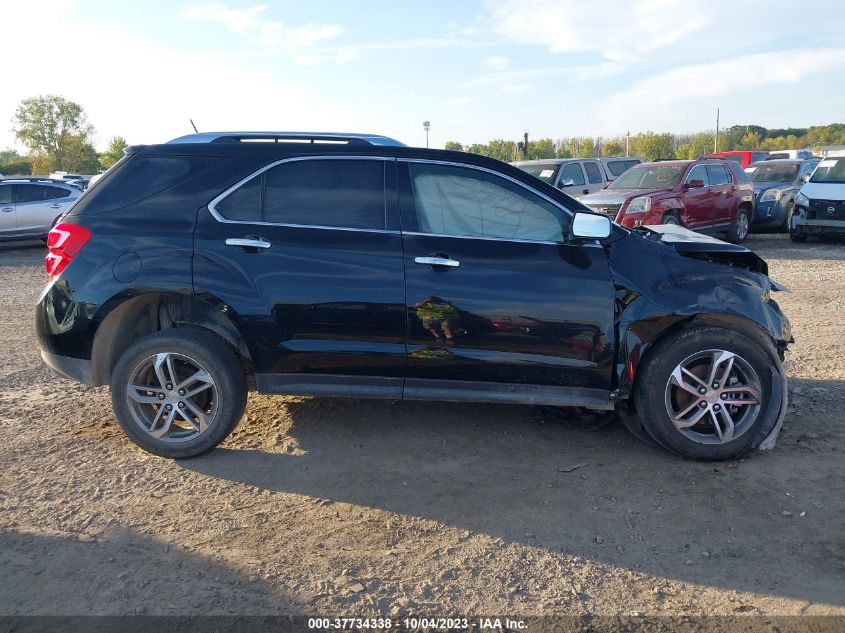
(496, 62)
(236, 20)
(664, 100)
(269, 33)
(617, 29)
(567, 73)
(148, 91)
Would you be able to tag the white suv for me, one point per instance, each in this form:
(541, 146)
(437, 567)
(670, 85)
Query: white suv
(820, 204)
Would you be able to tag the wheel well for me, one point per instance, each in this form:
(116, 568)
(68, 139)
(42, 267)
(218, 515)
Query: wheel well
(728, 321)
(746, 206)
(677, 213)
(148, 313)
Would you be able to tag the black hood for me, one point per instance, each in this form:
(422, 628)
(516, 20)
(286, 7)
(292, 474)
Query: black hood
(691, 244)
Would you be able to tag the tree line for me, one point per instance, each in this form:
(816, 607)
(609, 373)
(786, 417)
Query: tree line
(663, 145)
(58, 137)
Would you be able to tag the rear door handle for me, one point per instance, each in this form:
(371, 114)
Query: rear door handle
(248, 242)
(55, 206)
(437, 261)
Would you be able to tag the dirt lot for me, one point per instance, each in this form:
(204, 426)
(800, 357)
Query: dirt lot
(348, 507)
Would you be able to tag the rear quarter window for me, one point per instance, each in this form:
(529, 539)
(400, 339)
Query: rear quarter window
(139, 178)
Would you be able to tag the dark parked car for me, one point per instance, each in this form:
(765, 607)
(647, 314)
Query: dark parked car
(198, 269)
(708, 195)
(775, 184)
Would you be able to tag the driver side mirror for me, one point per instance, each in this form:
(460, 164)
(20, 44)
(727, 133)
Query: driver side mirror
(590, 226)
(566, 183)
(806, 177)
(696, 183)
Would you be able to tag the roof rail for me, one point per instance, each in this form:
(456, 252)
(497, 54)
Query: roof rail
(281, 137)
(36, 179)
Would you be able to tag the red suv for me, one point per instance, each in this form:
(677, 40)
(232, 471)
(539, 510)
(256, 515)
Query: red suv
(707, 195)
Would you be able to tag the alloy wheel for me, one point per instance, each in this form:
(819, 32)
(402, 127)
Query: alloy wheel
(713, 397)
(742, 226)
(172, 397)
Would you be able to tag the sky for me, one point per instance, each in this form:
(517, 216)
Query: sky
(476, 69)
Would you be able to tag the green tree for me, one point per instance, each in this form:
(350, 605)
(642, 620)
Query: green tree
(651, 146)
(503, 150)
(612, 148)
(751, 140)
(114, 151)
(587, 148)
(542, 148)
(13, 163)
(451, 145)
(56, 131)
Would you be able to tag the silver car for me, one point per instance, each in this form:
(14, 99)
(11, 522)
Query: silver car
(30, 206)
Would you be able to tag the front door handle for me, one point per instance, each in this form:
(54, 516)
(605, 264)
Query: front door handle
(249, 242)
(437, 261)
(55, 206)
(7, 209)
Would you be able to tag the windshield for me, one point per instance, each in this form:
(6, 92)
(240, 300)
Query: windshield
(650, 177)
(772, 173)
(830, 170)
(543, 171)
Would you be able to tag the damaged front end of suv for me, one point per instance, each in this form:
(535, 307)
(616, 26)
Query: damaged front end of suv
(671, 279)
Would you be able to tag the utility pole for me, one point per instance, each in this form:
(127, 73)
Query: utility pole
(716, 139)
(426, 127)
(627, 143)
(525, 147)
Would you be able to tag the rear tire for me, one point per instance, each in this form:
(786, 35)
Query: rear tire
(716, 424)
(178, 392)
(741, 226)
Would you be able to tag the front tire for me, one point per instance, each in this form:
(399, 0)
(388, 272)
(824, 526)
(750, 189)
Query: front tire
(741, 227)
(704, 392)
(670, 218)
(178, 392)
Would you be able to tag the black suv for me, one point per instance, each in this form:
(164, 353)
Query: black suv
(351, 265)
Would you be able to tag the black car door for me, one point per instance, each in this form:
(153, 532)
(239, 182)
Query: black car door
(306, 258)
(500, 306)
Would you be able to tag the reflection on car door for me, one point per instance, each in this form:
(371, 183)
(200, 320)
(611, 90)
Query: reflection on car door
(312, 274)
(572, 173)
(698, 201)
(8, 223)
(479, 250)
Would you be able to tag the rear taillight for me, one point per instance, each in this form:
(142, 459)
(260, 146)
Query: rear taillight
(64, 240)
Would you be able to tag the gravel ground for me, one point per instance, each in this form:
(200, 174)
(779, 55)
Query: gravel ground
(352, 507)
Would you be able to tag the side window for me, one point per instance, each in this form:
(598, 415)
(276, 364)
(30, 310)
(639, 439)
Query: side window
(718, 175)
(573, 172)
(471, 203)
(697, 173)
(807, 169)
(31, 193)
(741, 176)
(5, 194)
(334, 193)
(244, 203)
(56, 192)
(337, 193)
(593, 173)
